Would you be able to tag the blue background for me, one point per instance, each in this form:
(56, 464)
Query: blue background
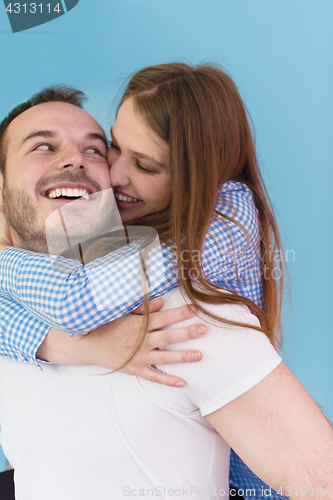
(279, 52)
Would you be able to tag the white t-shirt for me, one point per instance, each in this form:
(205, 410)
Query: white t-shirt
(79, 433)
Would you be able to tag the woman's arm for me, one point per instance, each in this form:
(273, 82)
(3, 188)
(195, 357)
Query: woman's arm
(231, 255)
(21, 334)
(75, 298)
(110, 345)
(81, 298)
(280, 433)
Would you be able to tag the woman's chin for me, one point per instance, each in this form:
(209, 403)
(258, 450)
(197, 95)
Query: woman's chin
(130, 211)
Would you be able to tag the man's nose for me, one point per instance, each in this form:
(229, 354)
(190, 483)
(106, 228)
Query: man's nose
(72, 159)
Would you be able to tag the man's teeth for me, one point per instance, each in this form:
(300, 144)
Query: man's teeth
(69, 193)
(127, 199)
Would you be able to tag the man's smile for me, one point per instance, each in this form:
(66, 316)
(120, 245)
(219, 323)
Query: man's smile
(67, 191)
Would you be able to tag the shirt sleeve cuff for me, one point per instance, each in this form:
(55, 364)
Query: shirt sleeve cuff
(29, 334)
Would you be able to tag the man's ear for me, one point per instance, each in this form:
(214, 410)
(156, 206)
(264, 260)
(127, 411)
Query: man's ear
(1, 186)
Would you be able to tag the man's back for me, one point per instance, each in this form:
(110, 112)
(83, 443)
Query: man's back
(89, 434)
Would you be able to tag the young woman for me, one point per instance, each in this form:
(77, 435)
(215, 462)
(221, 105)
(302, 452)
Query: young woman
(186, 131)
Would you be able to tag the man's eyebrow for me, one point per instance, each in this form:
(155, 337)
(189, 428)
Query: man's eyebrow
(142, 156)
(49, 134)
(95, 136)
(39, 133)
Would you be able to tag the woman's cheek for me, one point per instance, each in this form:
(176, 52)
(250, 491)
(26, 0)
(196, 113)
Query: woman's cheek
(162, 193)
(167, 191)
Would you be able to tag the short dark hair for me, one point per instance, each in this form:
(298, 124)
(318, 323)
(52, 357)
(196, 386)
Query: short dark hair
(58, 93)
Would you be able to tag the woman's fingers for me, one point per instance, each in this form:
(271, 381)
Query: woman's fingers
(154, 306)
(162, 319)
(161, 357)
(173, 336)
(149, 354)
(153, 375)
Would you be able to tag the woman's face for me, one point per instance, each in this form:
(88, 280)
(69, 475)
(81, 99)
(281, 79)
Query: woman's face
(139, 161)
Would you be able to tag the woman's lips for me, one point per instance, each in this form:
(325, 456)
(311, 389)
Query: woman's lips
(128, 203)
(125, 205)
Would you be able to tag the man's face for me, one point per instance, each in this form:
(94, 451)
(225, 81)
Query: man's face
(55, 152)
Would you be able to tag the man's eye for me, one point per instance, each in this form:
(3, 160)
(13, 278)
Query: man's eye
(95, 151)
(43, 147)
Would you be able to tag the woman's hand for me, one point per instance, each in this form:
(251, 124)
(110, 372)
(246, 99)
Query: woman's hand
(5, 236)
(111, 344)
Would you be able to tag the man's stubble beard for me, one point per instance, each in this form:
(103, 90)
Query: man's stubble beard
(28, 225)
(22, 217)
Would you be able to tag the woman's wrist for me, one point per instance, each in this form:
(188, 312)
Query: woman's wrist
(60, 348)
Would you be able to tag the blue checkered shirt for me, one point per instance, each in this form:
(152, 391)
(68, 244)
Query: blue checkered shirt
(36, 291)
(75, 298)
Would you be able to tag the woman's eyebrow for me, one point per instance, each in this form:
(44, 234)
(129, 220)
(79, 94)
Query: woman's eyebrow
(142, 156)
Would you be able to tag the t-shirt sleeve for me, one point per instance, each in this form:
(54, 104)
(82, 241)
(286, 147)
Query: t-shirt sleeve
(238, 360)
(234, 359)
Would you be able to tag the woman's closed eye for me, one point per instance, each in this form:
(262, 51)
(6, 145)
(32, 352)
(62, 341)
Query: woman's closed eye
(136, 163)
(143, 169)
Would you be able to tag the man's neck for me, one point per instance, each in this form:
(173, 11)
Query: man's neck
(6, 237)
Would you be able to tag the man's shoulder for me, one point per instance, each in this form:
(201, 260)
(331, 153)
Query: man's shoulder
(231, 312)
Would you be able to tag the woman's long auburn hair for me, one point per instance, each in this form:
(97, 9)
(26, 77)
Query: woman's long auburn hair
(200, 114)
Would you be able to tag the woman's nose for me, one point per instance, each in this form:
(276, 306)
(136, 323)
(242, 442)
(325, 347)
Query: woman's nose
(118, 172)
